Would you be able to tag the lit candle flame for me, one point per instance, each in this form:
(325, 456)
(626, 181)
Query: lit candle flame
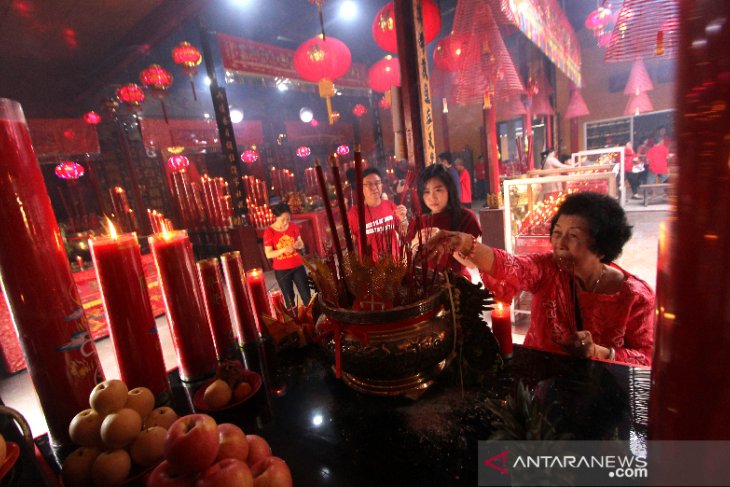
(112, 229)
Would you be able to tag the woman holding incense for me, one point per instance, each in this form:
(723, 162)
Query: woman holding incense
(282, 242)
(583, 303)
(442, 210)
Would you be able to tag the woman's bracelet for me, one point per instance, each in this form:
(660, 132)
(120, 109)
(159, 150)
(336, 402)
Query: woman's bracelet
(468, 254)
(611, 354)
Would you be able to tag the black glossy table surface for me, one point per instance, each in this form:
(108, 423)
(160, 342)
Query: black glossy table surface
(331, 435)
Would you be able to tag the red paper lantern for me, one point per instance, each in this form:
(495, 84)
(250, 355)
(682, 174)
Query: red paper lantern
(157, 79)
(188, 57)
(343, 150)
(250, 156)
(384, 25)
(92, 118)
(69, 170)
(322, 59)
(384, 74)
(176, 162)
(448, 53)
(598, 20)
(131, 94)
(303, 151)
(359, 110)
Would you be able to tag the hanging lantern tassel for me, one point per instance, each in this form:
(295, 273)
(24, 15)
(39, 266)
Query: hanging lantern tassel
(660, 43)
(192, 86)
(164, 111)
(327, 91)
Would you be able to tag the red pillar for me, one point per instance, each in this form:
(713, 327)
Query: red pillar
(690, 380)
(492, 159)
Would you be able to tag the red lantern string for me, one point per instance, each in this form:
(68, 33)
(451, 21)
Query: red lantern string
(177, 162)
(158, 80)
(250, 156)
(92, 118)
(384, 74)
(131, 95)
(448, 53)
(189, 58)
(384, 25)
(69, 170)
(359, 110)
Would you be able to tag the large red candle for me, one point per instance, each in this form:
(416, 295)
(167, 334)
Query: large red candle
(118, 264)
(259, 297)
(37, 283)
(276, 300)
(189, 328)
(244, 318)
(502, 328)
(216, 308)
(360, 192)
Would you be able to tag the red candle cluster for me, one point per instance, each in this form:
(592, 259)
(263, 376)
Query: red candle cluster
(173, 254)
(261, 216)
(158, 222)
(256, 192)
(282, 181)
(118, 263)
(124, 214)
(310, 181)
(203, 204)
(537, 220)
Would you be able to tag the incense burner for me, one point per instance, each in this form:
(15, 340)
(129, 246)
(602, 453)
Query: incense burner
(394, 352)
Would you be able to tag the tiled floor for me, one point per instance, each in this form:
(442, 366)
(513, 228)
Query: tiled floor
(639, 257)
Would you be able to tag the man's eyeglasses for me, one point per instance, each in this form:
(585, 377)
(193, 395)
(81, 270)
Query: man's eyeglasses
(373, 185)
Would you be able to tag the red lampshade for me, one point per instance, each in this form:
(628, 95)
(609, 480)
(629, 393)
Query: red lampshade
(92, 118)
(359, 110)
(576, 106)
(303, 151)
(131, 94)
(343, 150)
(156, 78)
(541, 104)
(448, 53)
(69, 170)
(638, 104)
(176, 162)
(250, 156)
(322, 59)
(639, 79)
(187, 56)
(384, 25)
(384, 74)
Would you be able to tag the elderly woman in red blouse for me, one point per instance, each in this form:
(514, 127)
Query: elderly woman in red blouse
(583, 303)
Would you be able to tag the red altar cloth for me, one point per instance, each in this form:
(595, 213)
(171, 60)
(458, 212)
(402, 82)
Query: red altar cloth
(11, 357)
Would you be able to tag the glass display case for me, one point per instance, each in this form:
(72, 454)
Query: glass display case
(613, 156)
(530, 204)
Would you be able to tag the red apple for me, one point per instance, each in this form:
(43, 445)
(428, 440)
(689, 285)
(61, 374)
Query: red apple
(271, 472)
(164, 476)
(192, 443)
(232, 441)
(226, 473)
(258, 449)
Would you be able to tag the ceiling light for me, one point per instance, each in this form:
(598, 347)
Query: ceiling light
(306, 115)
(348, 10)
(236, 115)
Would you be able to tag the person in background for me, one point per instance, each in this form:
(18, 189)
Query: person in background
(657, 157)
(442, 210)
(550, 161)
(282, 242)
(633, 169)
(383, 219)
(464, 182)
(480, 173)
(446, 161)
(582, 302)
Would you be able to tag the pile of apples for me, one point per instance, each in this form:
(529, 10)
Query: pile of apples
(120, 431)
(201, 453)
